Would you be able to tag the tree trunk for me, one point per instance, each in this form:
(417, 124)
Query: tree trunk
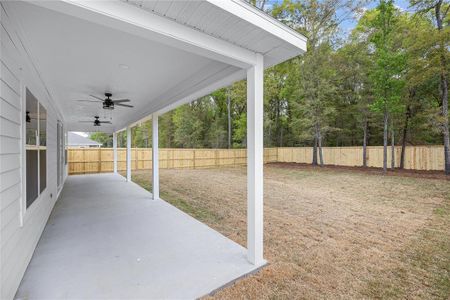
(314, 158)
(385, 141)
(365, 143)
(319, 140)
(277, 123)
(404, 136)
(392, 145)
(229, 117)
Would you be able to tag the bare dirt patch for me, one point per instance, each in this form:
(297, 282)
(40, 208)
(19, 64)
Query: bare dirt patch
(329, 233)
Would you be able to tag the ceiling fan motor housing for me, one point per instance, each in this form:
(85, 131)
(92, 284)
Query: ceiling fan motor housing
(108, 103)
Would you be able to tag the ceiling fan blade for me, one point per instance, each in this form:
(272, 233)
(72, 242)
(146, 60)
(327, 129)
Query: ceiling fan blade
(84, 121)
(105, 122)
(87, 101)
(121, 100)
(97, 98)
(124, 105)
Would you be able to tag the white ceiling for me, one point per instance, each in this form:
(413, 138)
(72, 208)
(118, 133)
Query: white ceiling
(77, 58)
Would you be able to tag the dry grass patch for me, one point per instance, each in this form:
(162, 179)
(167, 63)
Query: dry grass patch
(328, 233)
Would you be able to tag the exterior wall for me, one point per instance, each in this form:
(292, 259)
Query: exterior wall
(20, 229)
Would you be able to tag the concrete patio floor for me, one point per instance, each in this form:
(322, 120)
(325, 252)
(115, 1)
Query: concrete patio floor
(106, 238)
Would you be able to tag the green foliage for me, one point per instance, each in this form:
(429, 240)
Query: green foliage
(101, 137)
(390, 60)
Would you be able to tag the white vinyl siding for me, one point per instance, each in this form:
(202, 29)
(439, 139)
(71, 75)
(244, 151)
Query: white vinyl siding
(17, 242)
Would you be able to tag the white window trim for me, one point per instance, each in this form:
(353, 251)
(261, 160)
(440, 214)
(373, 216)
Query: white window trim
(23, 162)
(24, 211)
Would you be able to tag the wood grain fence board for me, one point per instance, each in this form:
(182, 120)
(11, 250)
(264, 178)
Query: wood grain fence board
(93, 160)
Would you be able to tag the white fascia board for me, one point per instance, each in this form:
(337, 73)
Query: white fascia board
(134, 20)
(260, 19)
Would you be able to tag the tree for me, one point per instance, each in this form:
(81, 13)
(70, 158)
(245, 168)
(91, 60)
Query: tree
(386, 75)
(319, 21)
(189, 125)
(275, 106)
(415, 41)
(439, 11)
(355, 93)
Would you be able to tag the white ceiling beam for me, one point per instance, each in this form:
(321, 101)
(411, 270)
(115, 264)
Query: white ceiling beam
(260, 19)
(128, 18)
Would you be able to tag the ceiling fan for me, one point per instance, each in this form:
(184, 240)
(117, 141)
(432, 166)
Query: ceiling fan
(108, 103)
(97, 122)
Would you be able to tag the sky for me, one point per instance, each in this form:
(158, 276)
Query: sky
(348, 25)
(85, 134)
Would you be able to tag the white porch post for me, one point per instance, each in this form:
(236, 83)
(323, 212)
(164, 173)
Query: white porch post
(255, 110)
(115, 151)
(128, 153)
(155, 157)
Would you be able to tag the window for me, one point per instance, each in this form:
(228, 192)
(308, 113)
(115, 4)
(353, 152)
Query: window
(36, 148)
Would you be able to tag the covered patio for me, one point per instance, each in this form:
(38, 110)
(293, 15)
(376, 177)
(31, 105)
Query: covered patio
(106, 238)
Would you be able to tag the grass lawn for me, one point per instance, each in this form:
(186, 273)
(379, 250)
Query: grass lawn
(328, 233)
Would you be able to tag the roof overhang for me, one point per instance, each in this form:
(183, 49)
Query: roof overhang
(204, 46)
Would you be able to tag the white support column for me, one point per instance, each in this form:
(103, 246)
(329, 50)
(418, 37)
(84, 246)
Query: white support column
(155, 157)
(128, 153)
(255, 110)
(115, 151)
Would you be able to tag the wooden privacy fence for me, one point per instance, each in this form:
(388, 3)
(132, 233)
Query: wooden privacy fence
(416, 157)
(96, 160)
